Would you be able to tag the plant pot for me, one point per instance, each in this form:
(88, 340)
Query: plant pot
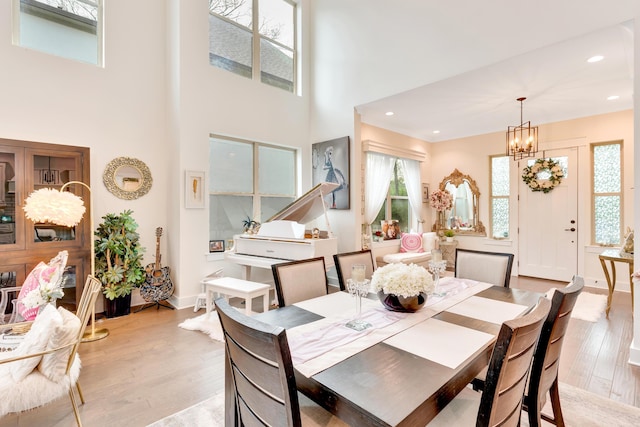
(449, 239)
(405, 305)
(117, 307)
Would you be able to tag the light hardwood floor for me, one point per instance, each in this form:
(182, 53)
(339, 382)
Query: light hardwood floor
(148, 368)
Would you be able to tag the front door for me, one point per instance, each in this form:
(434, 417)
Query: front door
(548, 223)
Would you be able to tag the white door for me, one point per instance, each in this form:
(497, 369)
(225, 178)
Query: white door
(548, 223)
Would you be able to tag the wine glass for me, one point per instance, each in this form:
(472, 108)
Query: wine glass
(437, 267)
(358, 286)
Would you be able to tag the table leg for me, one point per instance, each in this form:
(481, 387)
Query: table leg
(265, 302)
(631, 284)
(247, 306)
(610, 285)
(209, 299)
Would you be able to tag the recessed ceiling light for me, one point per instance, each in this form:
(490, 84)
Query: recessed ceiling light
(436, 131)
(389, 113)
(613, 97)
(596, 58)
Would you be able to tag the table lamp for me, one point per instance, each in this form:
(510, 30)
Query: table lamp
(65, 208)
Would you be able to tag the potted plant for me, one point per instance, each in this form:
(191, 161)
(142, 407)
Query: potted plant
(118, 261)
(449, 235)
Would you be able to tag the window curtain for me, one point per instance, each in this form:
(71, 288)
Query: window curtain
(377, 180)
(411, 170)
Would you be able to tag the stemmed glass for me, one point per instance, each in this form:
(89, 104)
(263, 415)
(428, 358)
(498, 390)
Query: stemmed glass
(358, 286)
(437, 268)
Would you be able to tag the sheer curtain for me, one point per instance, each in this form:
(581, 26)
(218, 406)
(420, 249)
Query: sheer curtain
(411, 170)
(377, 180)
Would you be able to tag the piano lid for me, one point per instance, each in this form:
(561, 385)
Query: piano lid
(307, 207)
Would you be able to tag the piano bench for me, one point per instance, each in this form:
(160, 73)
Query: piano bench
(232, 287)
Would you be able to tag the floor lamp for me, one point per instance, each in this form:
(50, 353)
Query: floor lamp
(65, 208)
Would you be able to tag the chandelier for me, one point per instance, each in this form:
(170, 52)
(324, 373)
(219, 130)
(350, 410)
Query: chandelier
(522, 140)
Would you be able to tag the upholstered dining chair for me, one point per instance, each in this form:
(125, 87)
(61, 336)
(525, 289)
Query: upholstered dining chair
(546, 359)
(261, 371)
(300, 280)
(501, 401)
(345, 261)
(489, 267)
(45, 365)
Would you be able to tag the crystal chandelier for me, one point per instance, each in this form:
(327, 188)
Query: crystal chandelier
(522, 140)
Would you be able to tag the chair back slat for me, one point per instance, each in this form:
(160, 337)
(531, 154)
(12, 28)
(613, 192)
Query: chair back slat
(508, 368)
(262, 372)
(546, 359)
(300, 280)
(90, 291)
(345, 261)
(489, 267)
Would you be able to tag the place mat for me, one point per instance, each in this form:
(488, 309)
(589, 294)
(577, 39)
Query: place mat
(488, 310)
(441, 342)
(337, 304)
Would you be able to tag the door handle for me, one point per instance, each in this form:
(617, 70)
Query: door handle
(570, 229)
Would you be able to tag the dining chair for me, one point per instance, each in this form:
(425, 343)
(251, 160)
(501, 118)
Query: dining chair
(345, 261)
(300, 280)
(546, 359)
(261, 371)
(501, 401)
(47, 357)
(489, 267)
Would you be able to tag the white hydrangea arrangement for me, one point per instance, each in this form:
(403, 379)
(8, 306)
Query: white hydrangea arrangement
(47, 291)
(405, 280)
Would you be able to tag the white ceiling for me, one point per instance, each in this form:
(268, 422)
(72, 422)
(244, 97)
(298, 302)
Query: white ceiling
(557, 81)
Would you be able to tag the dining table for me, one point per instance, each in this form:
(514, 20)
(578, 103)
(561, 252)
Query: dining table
(405, 368)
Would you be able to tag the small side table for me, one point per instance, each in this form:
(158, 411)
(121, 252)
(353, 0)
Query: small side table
(229, 286)
(449, 253)
(613, 256)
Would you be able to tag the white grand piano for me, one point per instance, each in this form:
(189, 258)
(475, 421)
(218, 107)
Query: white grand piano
(284, 236)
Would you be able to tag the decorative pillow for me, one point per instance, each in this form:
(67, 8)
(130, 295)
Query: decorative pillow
(411, 242)
(35, 340)
(42, 273)
(54, 365)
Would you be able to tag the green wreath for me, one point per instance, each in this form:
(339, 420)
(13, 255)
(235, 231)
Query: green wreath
(544, 175)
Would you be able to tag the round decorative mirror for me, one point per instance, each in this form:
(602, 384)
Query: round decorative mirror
(127, 178)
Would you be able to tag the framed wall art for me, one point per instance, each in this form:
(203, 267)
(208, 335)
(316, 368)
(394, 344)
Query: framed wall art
(330, 161)
(194, 190)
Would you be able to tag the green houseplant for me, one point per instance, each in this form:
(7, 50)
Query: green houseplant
(118, 259)
(449, 234)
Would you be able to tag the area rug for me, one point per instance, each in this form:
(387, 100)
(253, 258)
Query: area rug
(589, 307)
(580, 409)
(208, 323)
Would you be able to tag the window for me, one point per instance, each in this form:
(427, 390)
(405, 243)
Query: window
(67, 28)
(396, 205)
(254, 38)
(247, 181)
(500, 190)
(607, 193)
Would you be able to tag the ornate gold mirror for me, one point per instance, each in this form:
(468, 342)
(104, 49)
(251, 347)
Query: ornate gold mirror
(127, 178)
(463, 216)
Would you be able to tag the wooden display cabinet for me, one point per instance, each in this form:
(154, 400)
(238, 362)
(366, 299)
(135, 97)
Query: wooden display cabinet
(26, 166)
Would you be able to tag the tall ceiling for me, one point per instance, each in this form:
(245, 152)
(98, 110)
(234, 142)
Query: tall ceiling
(557, 81)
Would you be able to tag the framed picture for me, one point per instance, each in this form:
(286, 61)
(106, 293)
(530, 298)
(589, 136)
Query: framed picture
(330, 161)
(425, 192)
(216, 245)
(194, 190)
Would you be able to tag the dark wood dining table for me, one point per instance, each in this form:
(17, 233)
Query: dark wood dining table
(387, 386)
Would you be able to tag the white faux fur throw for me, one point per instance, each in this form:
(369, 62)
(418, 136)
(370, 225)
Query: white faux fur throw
(33, 391)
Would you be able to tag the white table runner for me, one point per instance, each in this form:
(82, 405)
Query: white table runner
(338, 308)
(432, 340)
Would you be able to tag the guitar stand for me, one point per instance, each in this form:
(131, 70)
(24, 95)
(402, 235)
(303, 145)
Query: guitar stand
(157, 304)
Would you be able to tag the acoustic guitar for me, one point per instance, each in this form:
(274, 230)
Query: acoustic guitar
(157, 286)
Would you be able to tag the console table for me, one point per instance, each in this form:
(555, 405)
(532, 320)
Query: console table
(449, 253)
(613, 256)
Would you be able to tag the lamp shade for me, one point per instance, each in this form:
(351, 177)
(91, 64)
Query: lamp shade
(53, 206)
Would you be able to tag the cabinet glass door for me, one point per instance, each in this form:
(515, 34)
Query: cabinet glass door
(11, 215)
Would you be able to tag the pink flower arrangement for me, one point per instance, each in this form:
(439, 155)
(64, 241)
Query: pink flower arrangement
(441, 200)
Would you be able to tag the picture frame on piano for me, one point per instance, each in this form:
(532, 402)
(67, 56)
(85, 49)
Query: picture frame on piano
(194, 190)
(330, 161)
(216, 246)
